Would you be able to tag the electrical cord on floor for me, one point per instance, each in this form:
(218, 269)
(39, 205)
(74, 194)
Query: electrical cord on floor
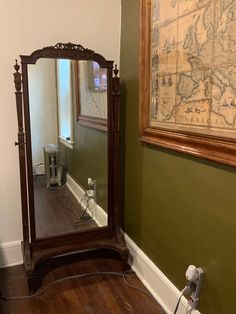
(87, 207)
(134, 287)
(125, 275)
(35, 171)
(186, 288)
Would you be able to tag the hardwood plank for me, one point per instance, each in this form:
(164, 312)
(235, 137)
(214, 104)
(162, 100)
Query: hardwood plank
(56, 210)
(98, 294)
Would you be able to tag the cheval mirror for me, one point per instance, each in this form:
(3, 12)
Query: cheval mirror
(68, 117)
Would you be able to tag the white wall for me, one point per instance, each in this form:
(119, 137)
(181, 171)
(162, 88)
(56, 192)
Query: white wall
(25, 26)
(43, 106)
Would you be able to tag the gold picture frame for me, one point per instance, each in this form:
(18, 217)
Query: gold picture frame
(160, 44)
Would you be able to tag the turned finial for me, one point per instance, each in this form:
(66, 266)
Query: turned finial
(116, 71)
(16, 66)
(17, 77)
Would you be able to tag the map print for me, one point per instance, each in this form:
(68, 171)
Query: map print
(193, 65)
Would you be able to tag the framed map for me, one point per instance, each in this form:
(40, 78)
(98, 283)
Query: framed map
(91, 94)
(188, 76)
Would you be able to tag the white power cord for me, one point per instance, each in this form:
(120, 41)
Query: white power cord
(125, 275)
(35, 169)
(88, 204)
(186, 288)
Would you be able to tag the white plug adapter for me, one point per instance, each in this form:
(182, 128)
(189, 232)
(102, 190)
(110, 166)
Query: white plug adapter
(191, 273)
(90, 181)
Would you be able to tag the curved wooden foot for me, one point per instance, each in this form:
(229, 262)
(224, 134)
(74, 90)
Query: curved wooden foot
(34, 282)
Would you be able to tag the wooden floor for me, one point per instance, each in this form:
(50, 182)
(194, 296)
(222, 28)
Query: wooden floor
(98, 294)
(56, 210)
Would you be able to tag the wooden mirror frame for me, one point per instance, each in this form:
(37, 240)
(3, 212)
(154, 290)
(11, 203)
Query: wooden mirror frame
(36, 250)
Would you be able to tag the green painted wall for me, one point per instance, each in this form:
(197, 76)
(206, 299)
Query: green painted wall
(88, 158)
(180, 210)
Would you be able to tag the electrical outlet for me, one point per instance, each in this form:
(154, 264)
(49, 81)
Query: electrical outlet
(92, 192)
(195, 285)
(90, 181)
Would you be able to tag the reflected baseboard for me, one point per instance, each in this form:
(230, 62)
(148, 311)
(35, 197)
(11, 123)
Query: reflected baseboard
(99, 215)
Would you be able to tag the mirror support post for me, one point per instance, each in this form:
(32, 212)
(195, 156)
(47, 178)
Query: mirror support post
(116, 121)
(21, 148)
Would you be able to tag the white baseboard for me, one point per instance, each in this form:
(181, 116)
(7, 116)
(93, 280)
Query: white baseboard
(10, 254)
(157, 283)
(99, 215)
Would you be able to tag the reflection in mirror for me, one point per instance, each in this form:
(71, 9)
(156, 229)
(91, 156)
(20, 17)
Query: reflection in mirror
(69, 159)
(92, 81)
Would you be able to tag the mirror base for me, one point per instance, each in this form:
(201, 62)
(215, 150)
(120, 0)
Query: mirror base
(40, 258)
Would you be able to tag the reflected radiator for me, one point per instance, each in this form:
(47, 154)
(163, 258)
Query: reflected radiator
(52, 166)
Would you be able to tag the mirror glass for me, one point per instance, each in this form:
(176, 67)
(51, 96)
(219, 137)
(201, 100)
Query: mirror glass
(69, 159)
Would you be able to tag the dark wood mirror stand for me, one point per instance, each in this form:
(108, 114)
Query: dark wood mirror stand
(37, 250)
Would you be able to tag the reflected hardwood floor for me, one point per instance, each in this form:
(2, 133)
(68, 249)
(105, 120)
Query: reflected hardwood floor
(56, 210)
(100, 294)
